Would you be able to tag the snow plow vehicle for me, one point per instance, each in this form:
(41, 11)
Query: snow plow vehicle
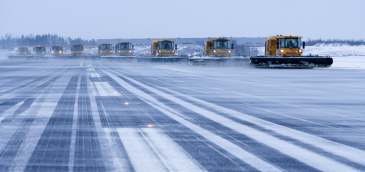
(105, 49)
(124, 49)
(39, 50)
(163, 51)
(77, 50)
(163, 48)
(23, 51)
(56, 50)
(285, 52)
(217, 52)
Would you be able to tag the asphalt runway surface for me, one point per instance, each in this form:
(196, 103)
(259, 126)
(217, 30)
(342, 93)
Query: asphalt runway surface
(113, 116)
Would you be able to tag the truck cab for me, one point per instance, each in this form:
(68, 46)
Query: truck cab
(23, 51)
(39, 50)
(77, 50)
(124, 49)
(220, 47)
(163, 47)
(105, 49)
(56, 50)
(284, 46)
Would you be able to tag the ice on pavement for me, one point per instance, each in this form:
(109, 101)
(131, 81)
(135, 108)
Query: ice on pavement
(115, 116)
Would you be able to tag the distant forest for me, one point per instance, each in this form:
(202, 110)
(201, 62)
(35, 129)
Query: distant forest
(45, 40)
(311, 42)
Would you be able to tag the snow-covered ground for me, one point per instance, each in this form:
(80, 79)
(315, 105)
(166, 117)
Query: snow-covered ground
(333, 50)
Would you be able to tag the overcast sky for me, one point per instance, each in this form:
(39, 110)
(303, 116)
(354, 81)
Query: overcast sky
(103, 19)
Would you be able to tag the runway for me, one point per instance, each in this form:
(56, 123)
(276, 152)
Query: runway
(115, 116)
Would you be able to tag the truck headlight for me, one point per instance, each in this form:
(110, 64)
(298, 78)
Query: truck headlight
(282, 51)
(229, 51)
(101, 51)
(159, 51)
(119, 51)
(60, 51)
(130, 51)
(173, 51)
(214, 51)
(300, 51)
(52, 51)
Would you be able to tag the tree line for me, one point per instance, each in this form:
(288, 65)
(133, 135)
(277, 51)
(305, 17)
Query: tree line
(47, 40)
(311, 42)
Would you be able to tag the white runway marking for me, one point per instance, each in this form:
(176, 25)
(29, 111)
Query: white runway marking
(94, 74)
(347, 152)
(104, 89)
(171, 154)
(141, 155)
(223, 143)
(312, 159)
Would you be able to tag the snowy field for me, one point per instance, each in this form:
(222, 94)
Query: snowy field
(101, 116)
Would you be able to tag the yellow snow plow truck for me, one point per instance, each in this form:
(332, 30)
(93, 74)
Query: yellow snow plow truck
(163, 51)
(57, 50)
(124, 49)
(39, 50)
(220, 47)
(77, 50)
(23, 51)
(163, 48)
(217, 51)
(105, 49)
(286, 52)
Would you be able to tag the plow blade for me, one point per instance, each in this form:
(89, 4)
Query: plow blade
(218, 61)
(119, 58)
(163, 59)
(291, 62)
(30, 57)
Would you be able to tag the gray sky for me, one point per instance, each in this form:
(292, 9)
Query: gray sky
(103, 19)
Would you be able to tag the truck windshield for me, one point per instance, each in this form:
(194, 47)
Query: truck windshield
(106, 47)
(77, 48)
(124, 46)
(56, 48)
(22, 50)
(38, 49)
(220, 44)
(166, 45)
(289, 42)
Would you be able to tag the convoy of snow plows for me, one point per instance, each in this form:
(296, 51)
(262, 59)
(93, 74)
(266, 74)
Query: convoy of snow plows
(280, 52)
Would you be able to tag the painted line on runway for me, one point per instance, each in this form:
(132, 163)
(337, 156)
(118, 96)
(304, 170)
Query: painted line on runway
(104, 89)
(223, 143)
(113, 157)
(141, 155)
(301, 154)
(73, 132)
(42, 116)
(170, 153)
(347, 152)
